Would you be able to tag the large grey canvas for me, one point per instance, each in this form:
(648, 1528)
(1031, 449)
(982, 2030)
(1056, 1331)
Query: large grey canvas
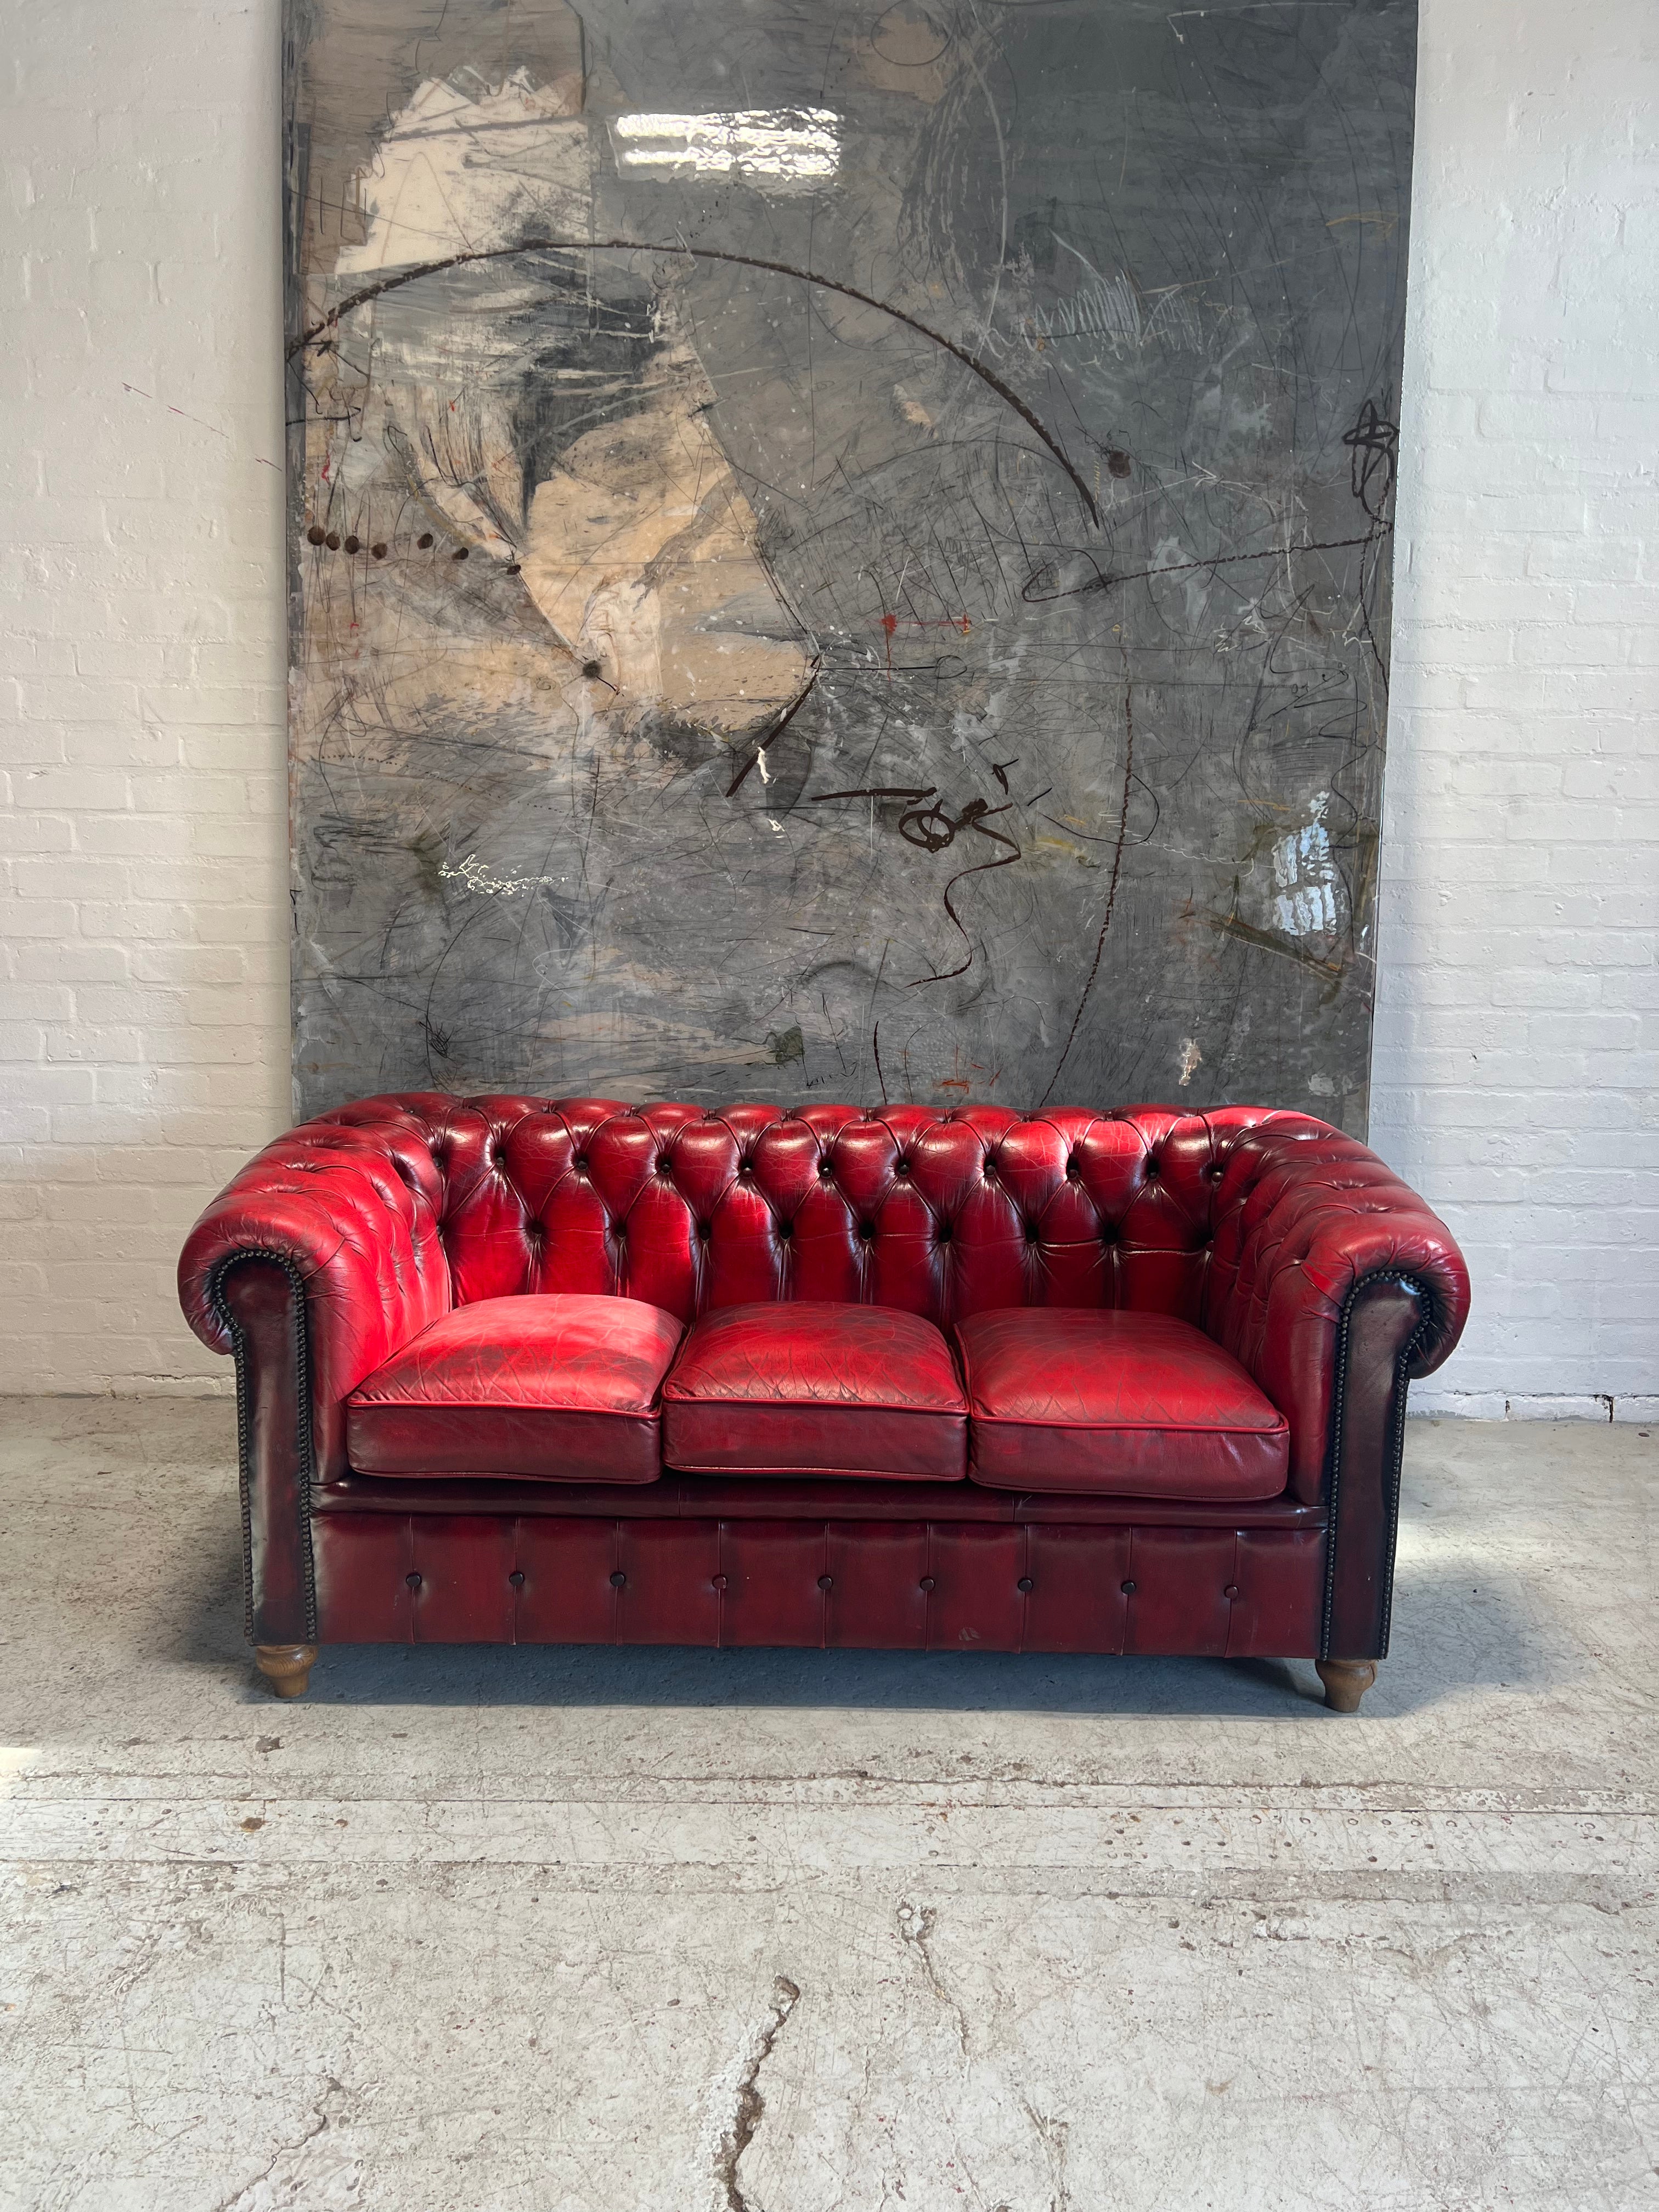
(842, 551)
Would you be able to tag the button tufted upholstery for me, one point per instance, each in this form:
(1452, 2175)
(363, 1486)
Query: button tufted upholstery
(1251, 1224)
(919, 1584)
(1260, 1275)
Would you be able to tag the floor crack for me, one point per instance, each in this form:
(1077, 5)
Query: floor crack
(1053, 2135)
(255, 2195)
(750, 2106)
(242, 2196)
(915, 1925)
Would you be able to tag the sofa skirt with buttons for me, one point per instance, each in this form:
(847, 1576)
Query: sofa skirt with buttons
(681, 1565)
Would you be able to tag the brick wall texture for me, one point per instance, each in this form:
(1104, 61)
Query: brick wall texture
(143, 1037)
(1517, 1050)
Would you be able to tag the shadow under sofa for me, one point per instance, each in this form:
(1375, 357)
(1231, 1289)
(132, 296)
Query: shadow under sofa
(543, 1370)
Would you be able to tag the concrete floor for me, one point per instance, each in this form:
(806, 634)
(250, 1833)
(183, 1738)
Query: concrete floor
(586, 1931)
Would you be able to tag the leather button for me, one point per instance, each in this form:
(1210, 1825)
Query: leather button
(516, 1578)
(1128, 1589)
(866, 1231)
(580, 1161)
(1024, 1583)
(926, 1583)
(824, 1171)
(704, 1232)
(720, 1582)
(617, 1579)
(943, 1236)
(1072, 1170)
(826, 1581)
(1151, 1167)
(1032, 1232)
(785, 1231)
(903, 1168)
(1232, 1591)
(413, 1581)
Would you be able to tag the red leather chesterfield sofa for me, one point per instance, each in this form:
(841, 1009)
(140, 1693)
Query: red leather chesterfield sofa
(553, 1370)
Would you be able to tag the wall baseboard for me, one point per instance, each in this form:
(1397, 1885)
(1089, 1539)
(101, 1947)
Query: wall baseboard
(1429, 1403)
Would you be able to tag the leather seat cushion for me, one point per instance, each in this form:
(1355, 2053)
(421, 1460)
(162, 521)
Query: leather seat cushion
(812, 1387)
(561, 1388)
(1139, 1404)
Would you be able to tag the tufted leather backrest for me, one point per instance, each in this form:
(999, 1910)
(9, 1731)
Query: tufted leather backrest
(940, 1213)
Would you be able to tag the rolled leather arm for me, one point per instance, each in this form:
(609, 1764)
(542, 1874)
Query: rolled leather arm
(1310, 1227)
(313, 1267)
(350, 1218)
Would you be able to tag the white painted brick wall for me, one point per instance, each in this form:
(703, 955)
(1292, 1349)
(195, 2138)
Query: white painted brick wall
(1516, 1067)
(143, 895)
(144, 1037)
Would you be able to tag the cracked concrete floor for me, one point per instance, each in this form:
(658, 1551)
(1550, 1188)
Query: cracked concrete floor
(585, 1931)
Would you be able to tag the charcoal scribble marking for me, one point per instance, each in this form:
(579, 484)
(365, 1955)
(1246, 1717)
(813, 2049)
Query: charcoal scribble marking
(1005, 393)
(776, 730)
(1373, 446)
(876, 791)
(974, 817)
(1268, 940)
(913, 826)
(1104, 581)
(750, 2105)
(934, 829)
(1117, 870)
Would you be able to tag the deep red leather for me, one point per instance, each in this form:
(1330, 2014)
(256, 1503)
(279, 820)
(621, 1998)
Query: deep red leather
(815, 1388)
(910, 1585)
(1363, 1484)
(355, 1209)
(1255, 1225)
(1136, 1403)
(1302, 1216)
(1271, 1233)
(277, 1556)
(561, 1388)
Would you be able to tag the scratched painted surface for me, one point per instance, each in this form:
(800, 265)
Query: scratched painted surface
(842, 551)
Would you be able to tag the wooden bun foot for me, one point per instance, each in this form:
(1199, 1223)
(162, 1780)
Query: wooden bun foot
(286, 1667)
(1347, 1681)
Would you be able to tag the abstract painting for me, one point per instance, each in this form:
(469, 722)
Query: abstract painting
(842, 551)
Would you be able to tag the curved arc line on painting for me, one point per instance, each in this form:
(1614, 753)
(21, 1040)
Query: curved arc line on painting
(1111, 889)
(1004, 392)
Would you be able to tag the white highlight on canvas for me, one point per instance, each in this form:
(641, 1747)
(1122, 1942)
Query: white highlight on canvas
(772, 145)
(1305, 875)
(476, 876)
